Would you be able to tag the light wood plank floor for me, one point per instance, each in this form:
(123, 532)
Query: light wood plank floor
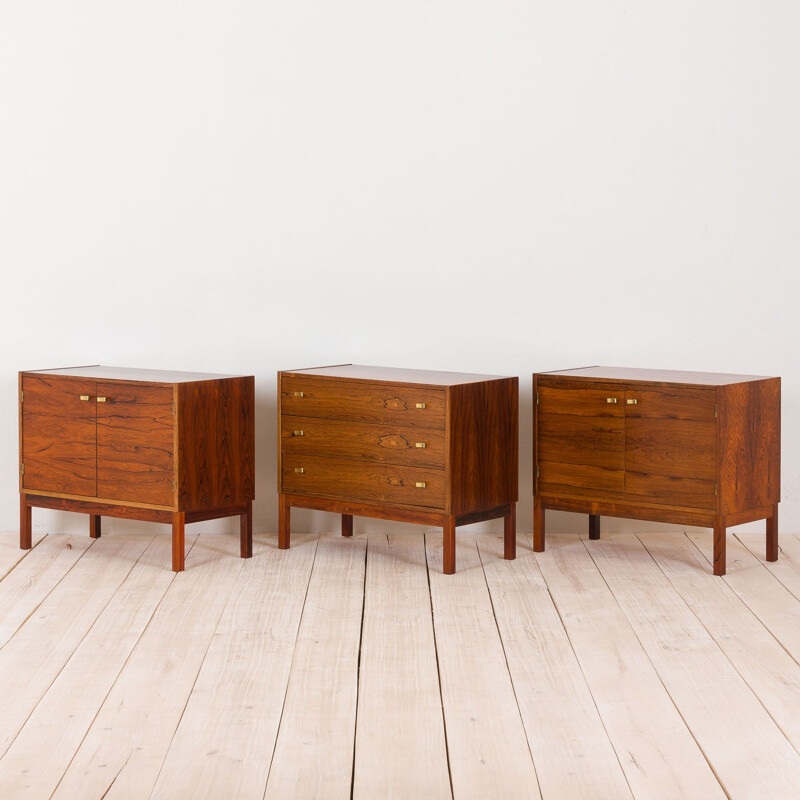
(352, 668)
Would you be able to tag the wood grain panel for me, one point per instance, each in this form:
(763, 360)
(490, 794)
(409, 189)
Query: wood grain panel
(690, 404)
(484, 445)
(670, 490)
(135, 444)
(559, 478)
(681, 448)
(594, 441)
(750, 445)
(363, 481)
(555, 399)
(386, 444)
(363, 402)
(216, 449)
(59, 435)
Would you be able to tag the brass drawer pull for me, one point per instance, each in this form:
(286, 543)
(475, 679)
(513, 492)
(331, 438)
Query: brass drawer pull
(421, 444)
(84, 397)
(631, 402)
(101, 399)
(298, 433)
(299, 394)
(611, 399)
(299, 469)
(421, 405)
(420, 484)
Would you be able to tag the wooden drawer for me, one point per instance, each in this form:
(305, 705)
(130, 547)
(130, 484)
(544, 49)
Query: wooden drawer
(363, 402)
(353, 480)
(362, 442)
(135, 444)
(692, 404)
(576, 400)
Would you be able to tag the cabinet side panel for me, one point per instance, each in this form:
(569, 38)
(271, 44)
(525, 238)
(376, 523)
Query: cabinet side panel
(216, 449)
(750, 444)
(484, 445)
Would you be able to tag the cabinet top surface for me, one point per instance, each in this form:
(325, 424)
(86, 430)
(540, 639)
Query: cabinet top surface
(98, 372)
(394, 375)
(654, 376)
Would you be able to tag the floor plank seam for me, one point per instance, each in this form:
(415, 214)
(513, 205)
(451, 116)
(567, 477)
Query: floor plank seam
(25, 554)
(438, 668)
(291, 664)
(358, 671)
(775, 574)
(508, 668)
(655, 669)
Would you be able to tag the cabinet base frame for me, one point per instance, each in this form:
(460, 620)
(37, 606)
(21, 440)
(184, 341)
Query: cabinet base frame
(448, 522)
(700, 518)
(177, 519)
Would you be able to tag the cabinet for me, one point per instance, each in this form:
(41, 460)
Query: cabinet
(153, 445)
(436, 448)
(684, 447)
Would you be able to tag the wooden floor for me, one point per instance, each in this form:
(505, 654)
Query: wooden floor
(346, 668)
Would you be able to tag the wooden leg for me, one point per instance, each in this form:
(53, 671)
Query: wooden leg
(347, 524)
(538, 526)
(449, 565)
(94, 526)
(510, 533)
(594, 526)
(178, 528)
(284, 522)
(719, 546)
(246, 532)
(772, 535)
(25, 514)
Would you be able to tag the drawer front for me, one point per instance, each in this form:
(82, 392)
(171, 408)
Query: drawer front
(689, 404)
(135, 444)
(578, 401)
(59, 435)
(362, 442)
(351, 480)
(363, 402)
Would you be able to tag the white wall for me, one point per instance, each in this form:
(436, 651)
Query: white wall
(482, 186)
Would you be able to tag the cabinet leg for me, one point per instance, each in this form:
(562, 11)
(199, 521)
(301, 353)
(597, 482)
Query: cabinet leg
(510, 533)
(178, 529)
(246, 532)
(594, 526)
(25, 514)
(347, 524)
(284, 522)
(772, 535)
(538, 526)
(449, 541)
(720, 541)
(94, 526)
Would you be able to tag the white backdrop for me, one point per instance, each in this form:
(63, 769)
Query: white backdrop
(496, 187)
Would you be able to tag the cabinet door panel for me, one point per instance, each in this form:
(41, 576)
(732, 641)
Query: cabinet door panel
(135, 444)
(696, 404)
(671, 461)
(59, 435)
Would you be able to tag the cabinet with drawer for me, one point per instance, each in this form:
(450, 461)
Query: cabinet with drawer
(435, 448)
(152, 445)
(684, 447)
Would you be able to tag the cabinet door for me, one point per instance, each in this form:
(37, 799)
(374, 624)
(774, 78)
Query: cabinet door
(135, 444)
(58, 435)
(580, 440)
(671, 446)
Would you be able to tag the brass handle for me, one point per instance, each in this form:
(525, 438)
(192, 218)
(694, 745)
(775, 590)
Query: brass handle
(299, 394)
(420, 484)
(421, 405)
(101, 399)
(299, 469)
(631, 402)
(298, 433)
(421, 444)
(84, 397)
(611, 399)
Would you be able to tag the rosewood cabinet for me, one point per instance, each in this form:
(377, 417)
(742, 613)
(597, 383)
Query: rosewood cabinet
(151, 445)
(436, 448)
(685, 447)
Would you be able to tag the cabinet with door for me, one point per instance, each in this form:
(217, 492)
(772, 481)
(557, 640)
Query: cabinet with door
(152, 445)
(683, 447)
(436, 448)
